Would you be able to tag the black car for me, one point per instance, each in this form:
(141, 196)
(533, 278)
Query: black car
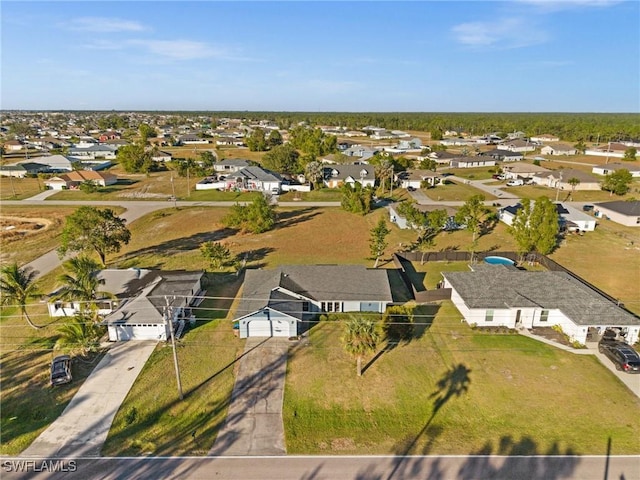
(621, 354)
(61, 370)
(411, 189)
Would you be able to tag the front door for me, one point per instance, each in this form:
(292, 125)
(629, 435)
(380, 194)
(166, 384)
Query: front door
(518, 320)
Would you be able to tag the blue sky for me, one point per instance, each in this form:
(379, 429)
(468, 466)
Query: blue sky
(447, 56)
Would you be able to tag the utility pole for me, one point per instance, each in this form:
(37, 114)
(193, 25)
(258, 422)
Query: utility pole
(558, 186)
(168, 314)
(173, 192)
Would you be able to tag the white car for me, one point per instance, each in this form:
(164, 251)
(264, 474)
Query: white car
(515, 182)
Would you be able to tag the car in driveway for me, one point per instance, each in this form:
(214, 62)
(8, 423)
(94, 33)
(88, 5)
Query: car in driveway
(621, 354)
(515, 182)
(61, 370)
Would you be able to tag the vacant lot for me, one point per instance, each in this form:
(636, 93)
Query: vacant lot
(453, 391)
(19, 188)
(171, 239)
(30, 231)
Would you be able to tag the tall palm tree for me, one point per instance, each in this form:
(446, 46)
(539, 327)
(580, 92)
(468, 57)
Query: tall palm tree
(81, 283)
(361, 337)
(18, 287)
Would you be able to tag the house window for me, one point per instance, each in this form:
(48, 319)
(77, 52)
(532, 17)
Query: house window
(323, 306)
(544, 315)
(329, 306)
(305, 306)
(488, 316)
(336, 306)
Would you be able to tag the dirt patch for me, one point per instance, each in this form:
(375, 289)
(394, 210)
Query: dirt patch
(340, 444)
(17, 228)
(551, 334)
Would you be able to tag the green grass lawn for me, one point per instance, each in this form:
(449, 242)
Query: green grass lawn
(152, 419)
(491, 389)
(454, 191)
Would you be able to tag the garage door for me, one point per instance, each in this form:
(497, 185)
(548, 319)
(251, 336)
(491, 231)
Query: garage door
(137, 332)
(268, 328)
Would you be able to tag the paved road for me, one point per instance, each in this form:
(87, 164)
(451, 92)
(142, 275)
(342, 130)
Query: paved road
(339, 468)
(82, 428)
(254, 420)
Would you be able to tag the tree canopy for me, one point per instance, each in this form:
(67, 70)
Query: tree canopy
(378, 240)
(356, 198)
(282, 158)
(91, 228)
(361, 337)
(256, 217)
(617, 182)
(535, 227)
(134, 159)
(473, 214)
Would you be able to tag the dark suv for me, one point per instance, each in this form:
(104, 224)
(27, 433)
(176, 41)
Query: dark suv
(622, 355)
(61, 370)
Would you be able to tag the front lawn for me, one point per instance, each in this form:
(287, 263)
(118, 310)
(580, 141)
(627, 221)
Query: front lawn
(152, 420)
(454, 391)
(453, 191)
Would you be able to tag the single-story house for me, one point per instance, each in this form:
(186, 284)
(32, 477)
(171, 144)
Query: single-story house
(442, 157)
(283, 302)
(191, 139)
(43, 164)
(94, 151)
(612, 167)
(137, 309)
(569, 218)
(620, 211)
(517, 146)
(360, 151)
(497, 295)
(503, 155)
(161, 156)
(337, 175)
(523, 170)
(545, 137)
(254, 179)
(612, 149)
(558, 149)
(560, 179)
(417, 178)
(13, 145)
(472, 162)
(231, 165)
(401, 222)
(74, 179)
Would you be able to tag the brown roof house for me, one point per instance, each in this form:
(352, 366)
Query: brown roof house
(72, 180)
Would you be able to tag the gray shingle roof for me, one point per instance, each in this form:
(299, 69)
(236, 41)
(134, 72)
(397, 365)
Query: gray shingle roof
(316, 282)
(622, 207)
(495, 287)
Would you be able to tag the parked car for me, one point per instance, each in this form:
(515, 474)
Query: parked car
(515, 183)
(497, 176)
(621, 354)
(61, 370)
(411, 189)
(587, 208)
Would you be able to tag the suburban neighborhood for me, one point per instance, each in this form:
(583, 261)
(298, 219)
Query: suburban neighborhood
(206, 279)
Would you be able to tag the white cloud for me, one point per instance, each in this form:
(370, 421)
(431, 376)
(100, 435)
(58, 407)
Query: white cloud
(103, 25)
(180, 49)
(512, 32)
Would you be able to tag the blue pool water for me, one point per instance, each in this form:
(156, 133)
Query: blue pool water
(499, 261)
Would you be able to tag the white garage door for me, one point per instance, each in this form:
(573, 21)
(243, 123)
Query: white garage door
(268, 328)
(137, 332)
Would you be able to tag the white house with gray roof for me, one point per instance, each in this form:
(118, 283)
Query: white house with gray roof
(497, 295)
(620, 211)
(337, 175)
(253, 179)
(135, 308)
(282, 302)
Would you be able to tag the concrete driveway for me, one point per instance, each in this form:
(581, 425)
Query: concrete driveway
(254, 421)
(82, 428)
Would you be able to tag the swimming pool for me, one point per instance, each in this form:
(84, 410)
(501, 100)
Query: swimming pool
(499, 261)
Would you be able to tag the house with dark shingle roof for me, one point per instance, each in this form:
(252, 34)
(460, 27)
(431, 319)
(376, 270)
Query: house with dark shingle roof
(498, 295)
(283, 302)
(620, 211)
(337, 175)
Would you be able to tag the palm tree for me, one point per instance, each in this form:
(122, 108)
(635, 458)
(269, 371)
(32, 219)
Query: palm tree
(17, 287)
(574, 182)
(81, 283)
(80, 335)
(361, 337)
